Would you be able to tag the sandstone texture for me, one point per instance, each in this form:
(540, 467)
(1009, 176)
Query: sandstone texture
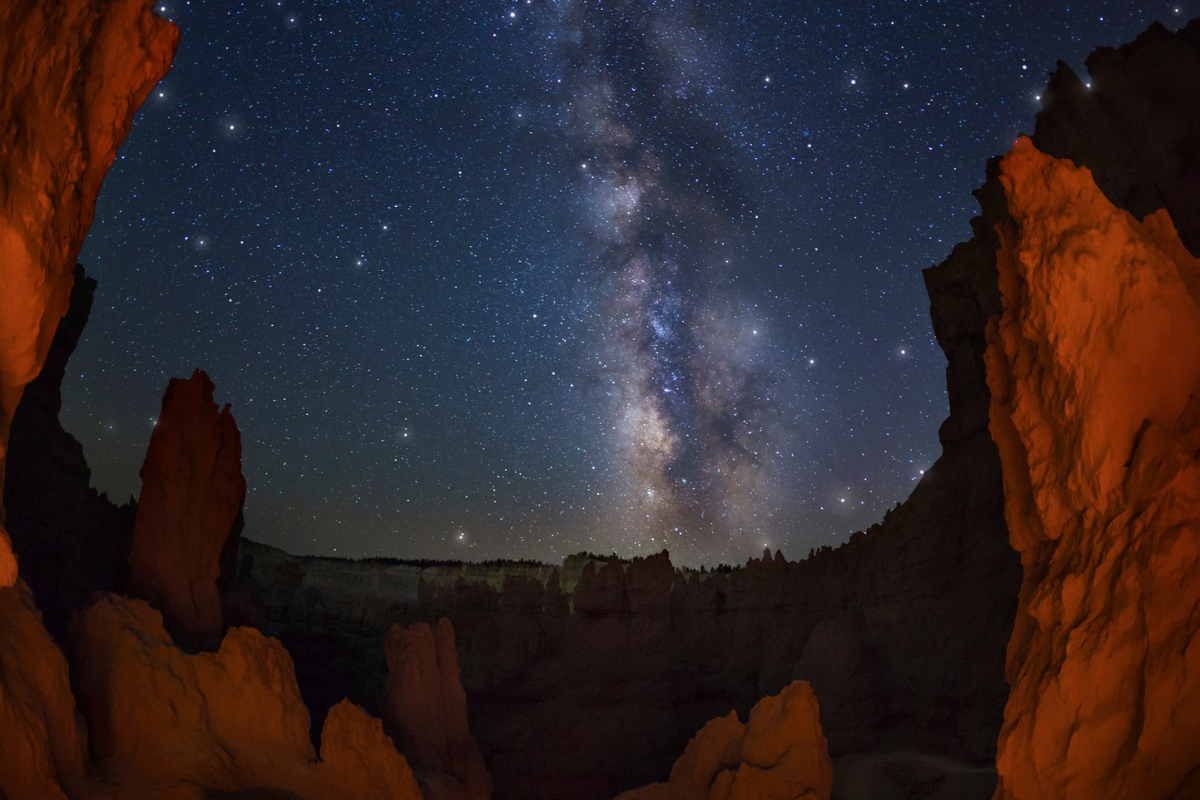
(1094, 370)
(73, 75)
(425, 708)
(166, 724)
(70, 540)
(43, 748)
(779, 754)
(192, 494)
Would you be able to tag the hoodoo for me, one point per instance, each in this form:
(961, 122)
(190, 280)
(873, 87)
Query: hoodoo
(192, 495)
(425, 707)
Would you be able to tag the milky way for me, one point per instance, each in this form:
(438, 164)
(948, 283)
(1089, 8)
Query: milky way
(660, 210)
(521, 279)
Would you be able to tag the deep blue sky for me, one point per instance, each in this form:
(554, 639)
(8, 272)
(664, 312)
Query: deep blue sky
(517, 279)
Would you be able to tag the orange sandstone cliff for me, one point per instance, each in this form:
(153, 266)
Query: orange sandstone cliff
(1094, 367)
(73, 75)
(163, 723)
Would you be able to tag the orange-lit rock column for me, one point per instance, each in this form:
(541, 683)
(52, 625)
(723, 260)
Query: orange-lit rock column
(73, 75)
(1093, 367)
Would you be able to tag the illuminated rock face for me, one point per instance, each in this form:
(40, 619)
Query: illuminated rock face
(780, 754)
(1094, 366)
(159, 719)
(42, 746)
(73, 75)
(192, 491)
(425, 707)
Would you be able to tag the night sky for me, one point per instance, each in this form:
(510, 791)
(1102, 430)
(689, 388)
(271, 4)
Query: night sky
(520, 279)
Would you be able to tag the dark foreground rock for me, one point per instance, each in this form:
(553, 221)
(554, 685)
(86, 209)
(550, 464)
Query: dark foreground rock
(70, 539)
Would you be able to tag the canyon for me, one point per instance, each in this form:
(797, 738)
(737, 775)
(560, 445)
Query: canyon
(1031, 606)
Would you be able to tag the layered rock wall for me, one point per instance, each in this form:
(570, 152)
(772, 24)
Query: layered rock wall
(586, 699)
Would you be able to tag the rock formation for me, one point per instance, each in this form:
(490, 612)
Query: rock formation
(73, 74)
(780, 754)
(1135, 124)
(1089, 426)
(1095, 372)
(160, 720)
(70, 540)
(591, 703)
(42, 743)
(192, 493)
(425, 708)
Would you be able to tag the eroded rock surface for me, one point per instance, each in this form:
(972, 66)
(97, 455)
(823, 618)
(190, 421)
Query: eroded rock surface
(160, 720)
(425, 707)
(73, 75)
(43, 751)
(1094, 371)
(192, 493)
(779, 754)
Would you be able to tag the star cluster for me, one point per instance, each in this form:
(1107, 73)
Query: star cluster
(527, 278)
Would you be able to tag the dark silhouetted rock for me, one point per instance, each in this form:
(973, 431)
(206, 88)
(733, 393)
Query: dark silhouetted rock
(71, 540)
(601, 592)
(425, 708)
(1136, 127)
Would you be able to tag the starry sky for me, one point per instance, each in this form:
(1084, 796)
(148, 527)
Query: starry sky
(519, 279)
